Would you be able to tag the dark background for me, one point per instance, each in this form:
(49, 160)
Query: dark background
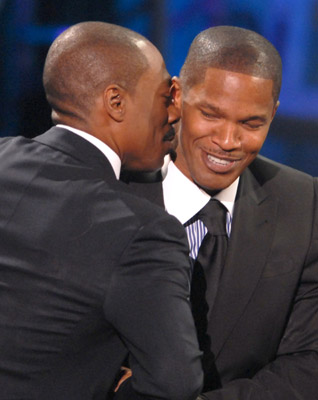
(27, 27)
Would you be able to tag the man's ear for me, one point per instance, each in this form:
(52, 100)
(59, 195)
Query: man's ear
(275, 109)
(115, 102)
(176, 92)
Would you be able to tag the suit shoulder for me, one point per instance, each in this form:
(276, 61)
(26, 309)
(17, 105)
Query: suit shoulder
(151, 221)
(269, 171)
(143, 208)
(11, 143)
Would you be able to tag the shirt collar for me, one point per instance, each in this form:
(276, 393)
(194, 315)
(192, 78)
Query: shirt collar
(111, 156)
(183, 198)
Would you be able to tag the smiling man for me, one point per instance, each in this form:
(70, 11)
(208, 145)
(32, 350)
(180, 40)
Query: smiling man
(225, 120)
(258, 310)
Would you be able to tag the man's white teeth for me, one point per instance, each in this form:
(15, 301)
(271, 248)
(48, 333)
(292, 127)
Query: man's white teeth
(218, 160)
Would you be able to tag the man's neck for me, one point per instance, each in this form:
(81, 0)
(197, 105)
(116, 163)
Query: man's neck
(183, 198)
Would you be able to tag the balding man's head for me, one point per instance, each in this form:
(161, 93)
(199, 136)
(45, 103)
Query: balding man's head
(112, 83)
(86, 58)
(232, 49)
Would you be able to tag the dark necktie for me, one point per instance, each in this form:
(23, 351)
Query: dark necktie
(206, 274)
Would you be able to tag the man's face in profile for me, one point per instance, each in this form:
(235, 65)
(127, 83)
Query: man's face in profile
(225, 120)
(151, 116)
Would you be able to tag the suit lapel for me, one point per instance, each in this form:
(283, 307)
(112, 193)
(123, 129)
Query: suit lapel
(254, 214)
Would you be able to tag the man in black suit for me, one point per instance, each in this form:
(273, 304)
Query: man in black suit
(90, 273)
(262, 320)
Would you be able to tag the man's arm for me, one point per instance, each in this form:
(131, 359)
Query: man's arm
(148, 304)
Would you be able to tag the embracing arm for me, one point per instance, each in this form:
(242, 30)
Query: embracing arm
(148, 304)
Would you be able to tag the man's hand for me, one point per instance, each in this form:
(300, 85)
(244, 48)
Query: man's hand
(126, 374)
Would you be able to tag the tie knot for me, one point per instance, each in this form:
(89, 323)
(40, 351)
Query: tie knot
(213, 215)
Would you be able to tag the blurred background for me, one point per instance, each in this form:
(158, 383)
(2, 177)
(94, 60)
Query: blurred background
(29, 26)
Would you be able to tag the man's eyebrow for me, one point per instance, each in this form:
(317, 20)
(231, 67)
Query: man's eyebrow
(210, 106)
(261, 118)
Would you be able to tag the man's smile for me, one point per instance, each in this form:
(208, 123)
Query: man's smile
(219, 164)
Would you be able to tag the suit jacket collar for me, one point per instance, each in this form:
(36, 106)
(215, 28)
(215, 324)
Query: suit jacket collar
(78, 148)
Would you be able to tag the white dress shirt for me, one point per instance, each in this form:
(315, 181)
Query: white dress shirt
(184, 199)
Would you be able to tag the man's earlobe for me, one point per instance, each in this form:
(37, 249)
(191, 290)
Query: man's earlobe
(115, 102)
(275, 109)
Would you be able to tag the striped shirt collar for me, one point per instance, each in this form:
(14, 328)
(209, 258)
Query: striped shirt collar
(183, 198)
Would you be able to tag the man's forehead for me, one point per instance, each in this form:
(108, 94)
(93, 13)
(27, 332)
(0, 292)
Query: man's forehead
(223, 87)
(217, 72)
(223, 80)
(166, 82)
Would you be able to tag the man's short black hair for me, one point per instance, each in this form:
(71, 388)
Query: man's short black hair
(233, 49)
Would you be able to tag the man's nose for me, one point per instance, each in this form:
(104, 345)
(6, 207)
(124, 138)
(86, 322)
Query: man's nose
(227, 136)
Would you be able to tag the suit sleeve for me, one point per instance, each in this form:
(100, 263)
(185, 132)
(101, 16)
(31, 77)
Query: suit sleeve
(148, 304)
(293, 375)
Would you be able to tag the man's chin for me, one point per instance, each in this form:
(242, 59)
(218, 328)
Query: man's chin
(173, 154)
(220, 182)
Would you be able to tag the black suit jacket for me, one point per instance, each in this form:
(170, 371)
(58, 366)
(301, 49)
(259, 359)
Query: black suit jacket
(88, 274)
(264, 323)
